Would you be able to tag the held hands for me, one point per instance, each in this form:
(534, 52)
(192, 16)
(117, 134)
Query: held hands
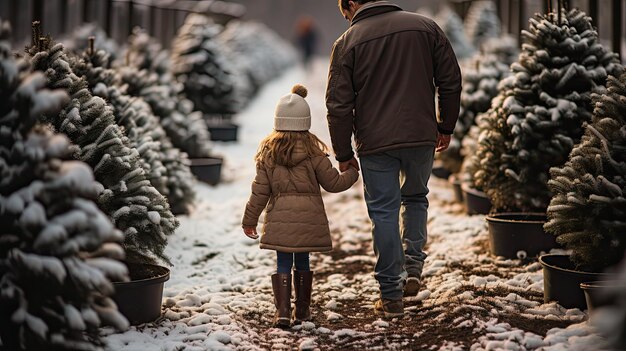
(443, 141)
(250, 232)
(344, 166)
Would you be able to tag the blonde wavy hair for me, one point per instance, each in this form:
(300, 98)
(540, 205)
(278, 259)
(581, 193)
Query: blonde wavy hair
(278, 147)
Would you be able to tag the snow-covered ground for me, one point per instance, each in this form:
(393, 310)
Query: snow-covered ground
(219, 295)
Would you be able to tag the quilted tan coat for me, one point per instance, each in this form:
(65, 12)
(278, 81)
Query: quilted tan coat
(295, 218)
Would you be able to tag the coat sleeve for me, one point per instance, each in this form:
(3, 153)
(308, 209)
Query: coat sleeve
(261, 192)
(340, 100)
(331, 180)
(447, 76)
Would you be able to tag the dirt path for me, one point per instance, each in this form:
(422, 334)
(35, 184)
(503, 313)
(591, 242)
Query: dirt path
(464, 296)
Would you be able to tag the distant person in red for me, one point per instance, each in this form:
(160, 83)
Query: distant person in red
(307, 39)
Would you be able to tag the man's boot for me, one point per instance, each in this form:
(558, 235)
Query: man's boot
(413, 282)
(302, 284)
(281, 284)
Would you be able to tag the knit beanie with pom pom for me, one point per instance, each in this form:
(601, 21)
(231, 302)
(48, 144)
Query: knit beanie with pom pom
(292, 111)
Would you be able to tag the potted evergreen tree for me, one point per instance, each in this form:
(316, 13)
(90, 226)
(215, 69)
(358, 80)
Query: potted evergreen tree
(253, 47)
(165, 165)
(475, 199)
(146, 74)
(199, 63)
(587, 212)
(58, 251)
(482, 22)
(481, 76)
(452, 25)
(534, 122)
(131, 202)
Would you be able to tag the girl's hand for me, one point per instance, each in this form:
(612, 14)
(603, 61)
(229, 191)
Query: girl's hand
(250, 232)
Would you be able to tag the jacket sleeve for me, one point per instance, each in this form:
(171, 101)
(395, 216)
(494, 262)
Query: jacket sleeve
(447, 76)
(340, 99)
(261, 192)
(331, 180)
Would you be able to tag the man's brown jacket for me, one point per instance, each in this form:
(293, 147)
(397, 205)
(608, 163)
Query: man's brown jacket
(381, 86)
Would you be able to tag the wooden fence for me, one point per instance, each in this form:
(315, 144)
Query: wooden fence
(608, 15)
(161, 18)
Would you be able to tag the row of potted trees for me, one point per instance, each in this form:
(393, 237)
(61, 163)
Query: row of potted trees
(94, 164)
(548, 165)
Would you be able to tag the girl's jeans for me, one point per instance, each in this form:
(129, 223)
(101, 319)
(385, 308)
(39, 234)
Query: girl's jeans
(285, 260)
(395, 192)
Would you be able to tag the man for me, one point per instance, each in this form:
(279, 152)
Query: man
(381, 87)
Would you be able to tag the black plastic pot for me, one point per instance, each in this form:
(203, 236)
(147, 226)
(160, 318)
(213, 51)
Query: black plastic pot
(476, 202)
(561, 281)
(602, 292)
(222, 130)
(510, 233)
(456, 187)
(178, 210)
(139, 300)
(207, 170)
(440, 171)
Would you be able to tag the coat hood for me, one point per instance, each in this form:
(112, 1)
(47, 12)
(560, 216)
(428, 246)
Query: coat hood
(298, 155)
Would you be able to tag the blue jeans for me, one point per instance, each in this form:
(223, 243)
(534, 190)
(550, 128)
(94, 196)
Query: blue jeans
(395, 192)
(285, 260)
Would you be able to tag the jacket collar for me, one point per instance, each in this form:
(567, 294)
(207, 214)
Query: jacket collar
(374, 8)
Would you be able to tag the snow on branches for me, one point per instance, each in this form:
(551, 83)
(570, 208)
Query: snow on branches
(482, 22)
(129, 199)
(452, 25)
(166, 167)
(588, 210)
(147, 76)
(200, 64)
(539, 113)
(58, 251)
(256, 50)
(481, 76)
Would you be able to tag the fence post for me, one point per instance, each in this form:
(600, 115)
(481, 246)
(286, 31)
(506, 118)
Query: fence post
(64, 16)
(130, 17)
(521, 19)
(153, 18)
(617, 27)
(593, 11)
(86, 9)
(37, 11)
(108, 9)
(14, 12)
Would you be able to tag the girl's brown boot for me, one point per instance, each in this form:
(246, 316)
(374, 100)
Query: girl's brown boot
(302, 284)
(281, 284)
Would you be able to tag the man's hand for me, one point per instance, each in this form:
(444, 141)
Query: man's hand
(250, 232)
(344, 166)
(443, 141)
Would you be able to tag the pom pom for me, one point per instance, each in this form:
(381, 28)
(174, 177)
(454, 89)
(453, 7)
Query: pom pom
(300, 90)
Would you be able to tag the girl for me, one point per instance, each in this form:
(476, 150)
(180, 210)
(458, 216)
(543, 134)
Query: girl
(291, 164)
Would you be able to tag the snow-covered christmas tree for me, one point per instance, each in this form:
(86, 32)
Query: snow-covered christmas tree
(129, 199)
(540, 111)
(145, 52)
(199, 63)
(258, 51)
(482, 22)
(147, 75)
(481, 76)
(588, 210)
(185, 127)
(79, 40)
(452, 26)
(58, 251)
(167, 168)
